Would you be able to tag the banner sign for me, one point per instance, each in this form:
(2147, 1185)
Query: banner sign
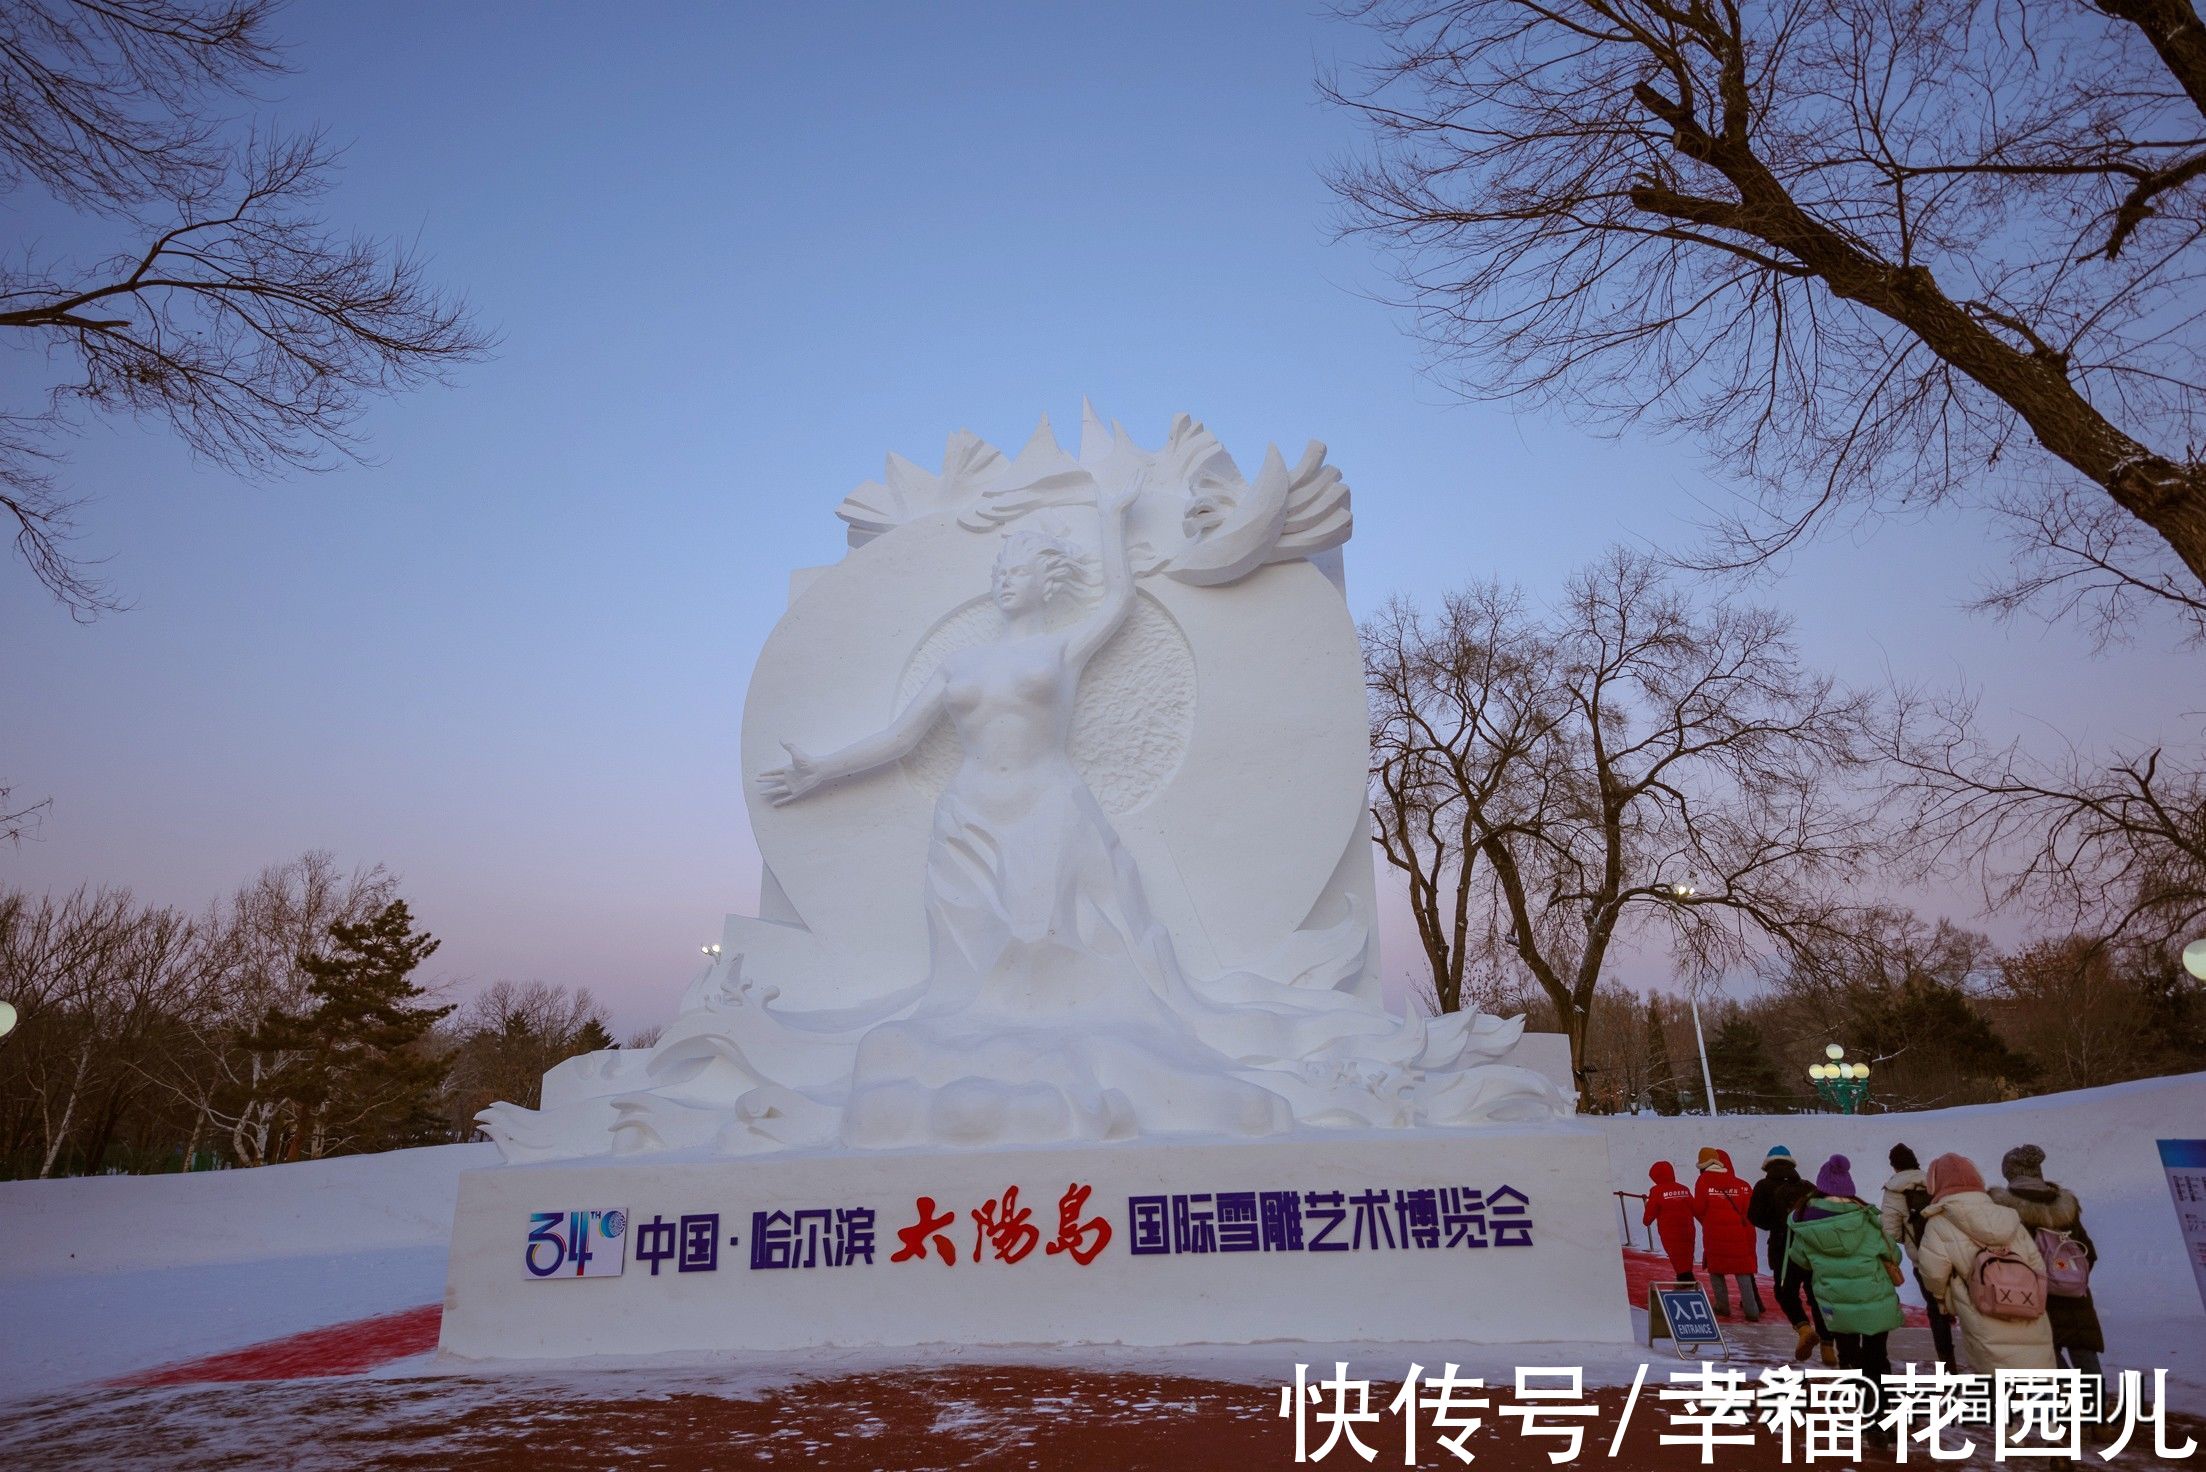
(2185, 1163)
(594, 1243)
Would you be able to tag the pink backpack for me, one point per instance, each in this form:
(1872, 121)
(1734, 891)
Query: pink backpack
(2003, 1286)
(2067, 1265)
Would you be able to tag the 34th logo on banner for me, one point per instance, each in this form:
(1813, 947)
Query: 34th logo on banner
(577, 1244)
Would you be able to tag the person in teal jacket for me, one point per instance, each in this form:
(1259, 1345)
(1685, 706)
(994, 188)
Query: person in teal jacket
(1840, 1239)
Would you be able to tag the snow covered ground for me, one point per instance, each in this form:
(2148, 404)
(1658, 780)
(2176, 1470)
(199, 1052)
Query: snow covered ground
(107, 1275)
(113, 1275)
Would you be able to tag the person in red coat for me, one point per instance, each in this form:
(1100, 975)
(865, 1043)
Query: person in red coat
(1670, 1213)
(1727, 1238)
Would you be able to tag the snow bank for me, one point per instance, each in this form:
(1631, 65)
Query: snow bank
(316, 1208)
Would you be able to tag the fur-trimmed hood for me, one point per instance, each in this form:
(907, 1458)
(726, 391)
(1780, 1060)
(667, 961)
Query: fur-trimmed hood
(2043, 1205)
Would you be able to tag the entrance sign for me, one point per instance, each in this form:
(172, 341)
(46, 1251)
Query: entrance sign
(2185, 1163)
(1682, 1314)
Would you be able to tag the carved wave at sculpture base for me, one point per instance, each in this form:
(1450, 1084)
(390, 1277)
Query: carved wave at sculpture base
(1241, 1056)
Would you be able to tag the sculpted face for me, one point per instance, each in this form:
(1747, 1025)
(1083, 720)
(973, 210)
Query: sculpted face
(1016, 584)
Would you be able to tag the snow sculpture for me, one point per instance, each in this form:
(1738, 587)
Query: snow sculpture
(1053, 1002)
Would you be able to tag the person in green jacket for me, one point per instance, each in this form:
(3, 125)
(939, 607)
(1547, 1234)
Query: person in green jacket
(1840, 1239)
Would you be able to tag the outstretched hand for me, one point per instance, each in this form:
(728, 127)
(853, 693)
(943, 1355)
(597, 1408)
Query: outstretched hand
(786, 783)
(1113, 500)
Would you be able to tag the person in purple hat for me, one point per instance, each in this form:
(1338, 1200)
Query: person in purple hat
(1854, 1267)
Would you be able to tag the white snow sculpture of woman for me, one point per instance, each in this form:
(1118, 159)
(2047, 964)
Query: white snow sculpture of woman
(1049, 1011)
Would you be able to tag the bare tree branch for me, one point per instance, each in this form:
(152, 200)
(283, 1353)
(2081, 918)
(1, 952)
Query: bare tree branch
(1862, 252)
(235, 315)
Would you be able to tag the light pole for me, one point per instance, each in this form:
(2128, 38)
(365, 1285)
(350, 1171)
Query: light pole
(7, 1018)
(2194, 960)
(1679, 894)
(1842, 1085)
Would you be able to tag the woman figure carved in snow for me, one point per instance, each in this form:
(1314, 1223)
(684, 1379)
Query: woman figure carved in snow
(1054, 1008)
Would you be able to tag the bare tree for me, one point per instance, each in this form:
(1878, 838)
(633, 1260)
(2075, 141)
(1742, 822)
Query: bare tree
(1863, 251)
(2063, 1003)
(2117, 852)
(229, 310)
(506, 1038)
(1628, 765)
(92, 975)
(259, 938)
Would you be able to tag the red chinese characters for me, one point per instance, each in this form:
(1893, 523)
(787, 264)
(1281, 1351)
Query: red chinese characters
(1072, 1233)
(929, 1228)
(1006, 1227)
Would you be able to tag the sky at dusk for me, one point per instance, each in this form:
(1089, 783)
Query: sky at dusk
(734, 254)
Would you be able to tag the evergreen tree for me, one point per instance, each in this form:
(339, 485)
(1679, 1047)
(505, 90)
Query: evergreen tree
(359, 1074)
(591, 1037)
(1662, 1079)
(1746, 1080)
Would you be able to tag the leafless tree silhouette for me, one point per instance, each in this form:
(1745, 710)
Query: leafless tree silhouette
(231, 310)
(1547, 783)
(1865, 251)
(2115, 851)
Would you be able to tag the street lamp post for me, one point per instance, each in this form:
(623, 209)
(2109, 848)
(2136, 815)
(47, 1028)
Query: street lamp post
(1842, 1085)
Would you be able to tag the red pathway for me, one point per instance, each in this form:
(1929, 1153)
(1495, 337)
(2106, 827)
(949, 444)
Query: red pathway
(363, 1344)
(339, 1349)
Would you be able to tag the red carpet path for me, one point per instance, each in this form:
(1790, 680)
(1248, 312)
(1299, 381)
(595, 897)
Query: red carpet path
(363, 1344)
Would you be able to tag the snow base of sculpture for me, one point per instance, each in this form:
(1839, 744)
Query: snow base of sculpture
(1496, 1235)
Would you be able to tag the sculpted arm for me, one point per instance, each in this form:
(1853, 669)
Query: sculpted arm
(802, 773)
(1093, 632)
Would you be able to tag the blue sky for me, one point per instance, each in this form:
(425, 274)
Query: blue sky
(734, 255)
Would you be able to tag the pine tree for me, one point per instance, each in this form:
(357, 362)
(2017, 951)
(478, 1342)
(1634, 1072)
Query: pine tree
(591, 1037)
(360, 1076)
(1747, 1082)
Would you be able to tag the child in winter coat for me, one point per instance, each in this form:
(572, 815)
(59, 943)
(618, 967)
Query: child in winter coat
(1906, 1196)
(2045, 1207)
(1959, 1225)
(1855, 1267)
(1726, 1237)
(1775, 1195)
(1670, 1212)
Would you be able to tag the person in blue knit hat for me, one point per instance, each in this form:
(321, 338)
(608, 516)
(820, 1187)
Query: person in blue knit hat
(1770, 1207)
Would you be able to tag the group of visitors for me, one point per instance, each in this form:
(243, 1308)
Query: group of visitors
(2010, 1265)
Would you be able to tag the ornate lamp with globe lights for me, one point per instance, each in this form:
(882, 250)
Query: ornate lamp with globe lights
(2194, 958)
(7, 1018)
(1842, 1085)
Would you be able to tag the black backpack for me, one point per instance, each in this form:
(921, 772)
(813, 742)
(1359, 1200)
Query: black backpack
(1917, 1198)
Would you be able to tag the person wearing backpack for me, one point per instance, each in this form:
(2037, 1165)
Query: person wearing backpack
(1726, 1237)
(1985, 1268)
(1854, 1269)
(1906, 1195)
(2055, 1219)
(1670, 1212)
(1770, 1207)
